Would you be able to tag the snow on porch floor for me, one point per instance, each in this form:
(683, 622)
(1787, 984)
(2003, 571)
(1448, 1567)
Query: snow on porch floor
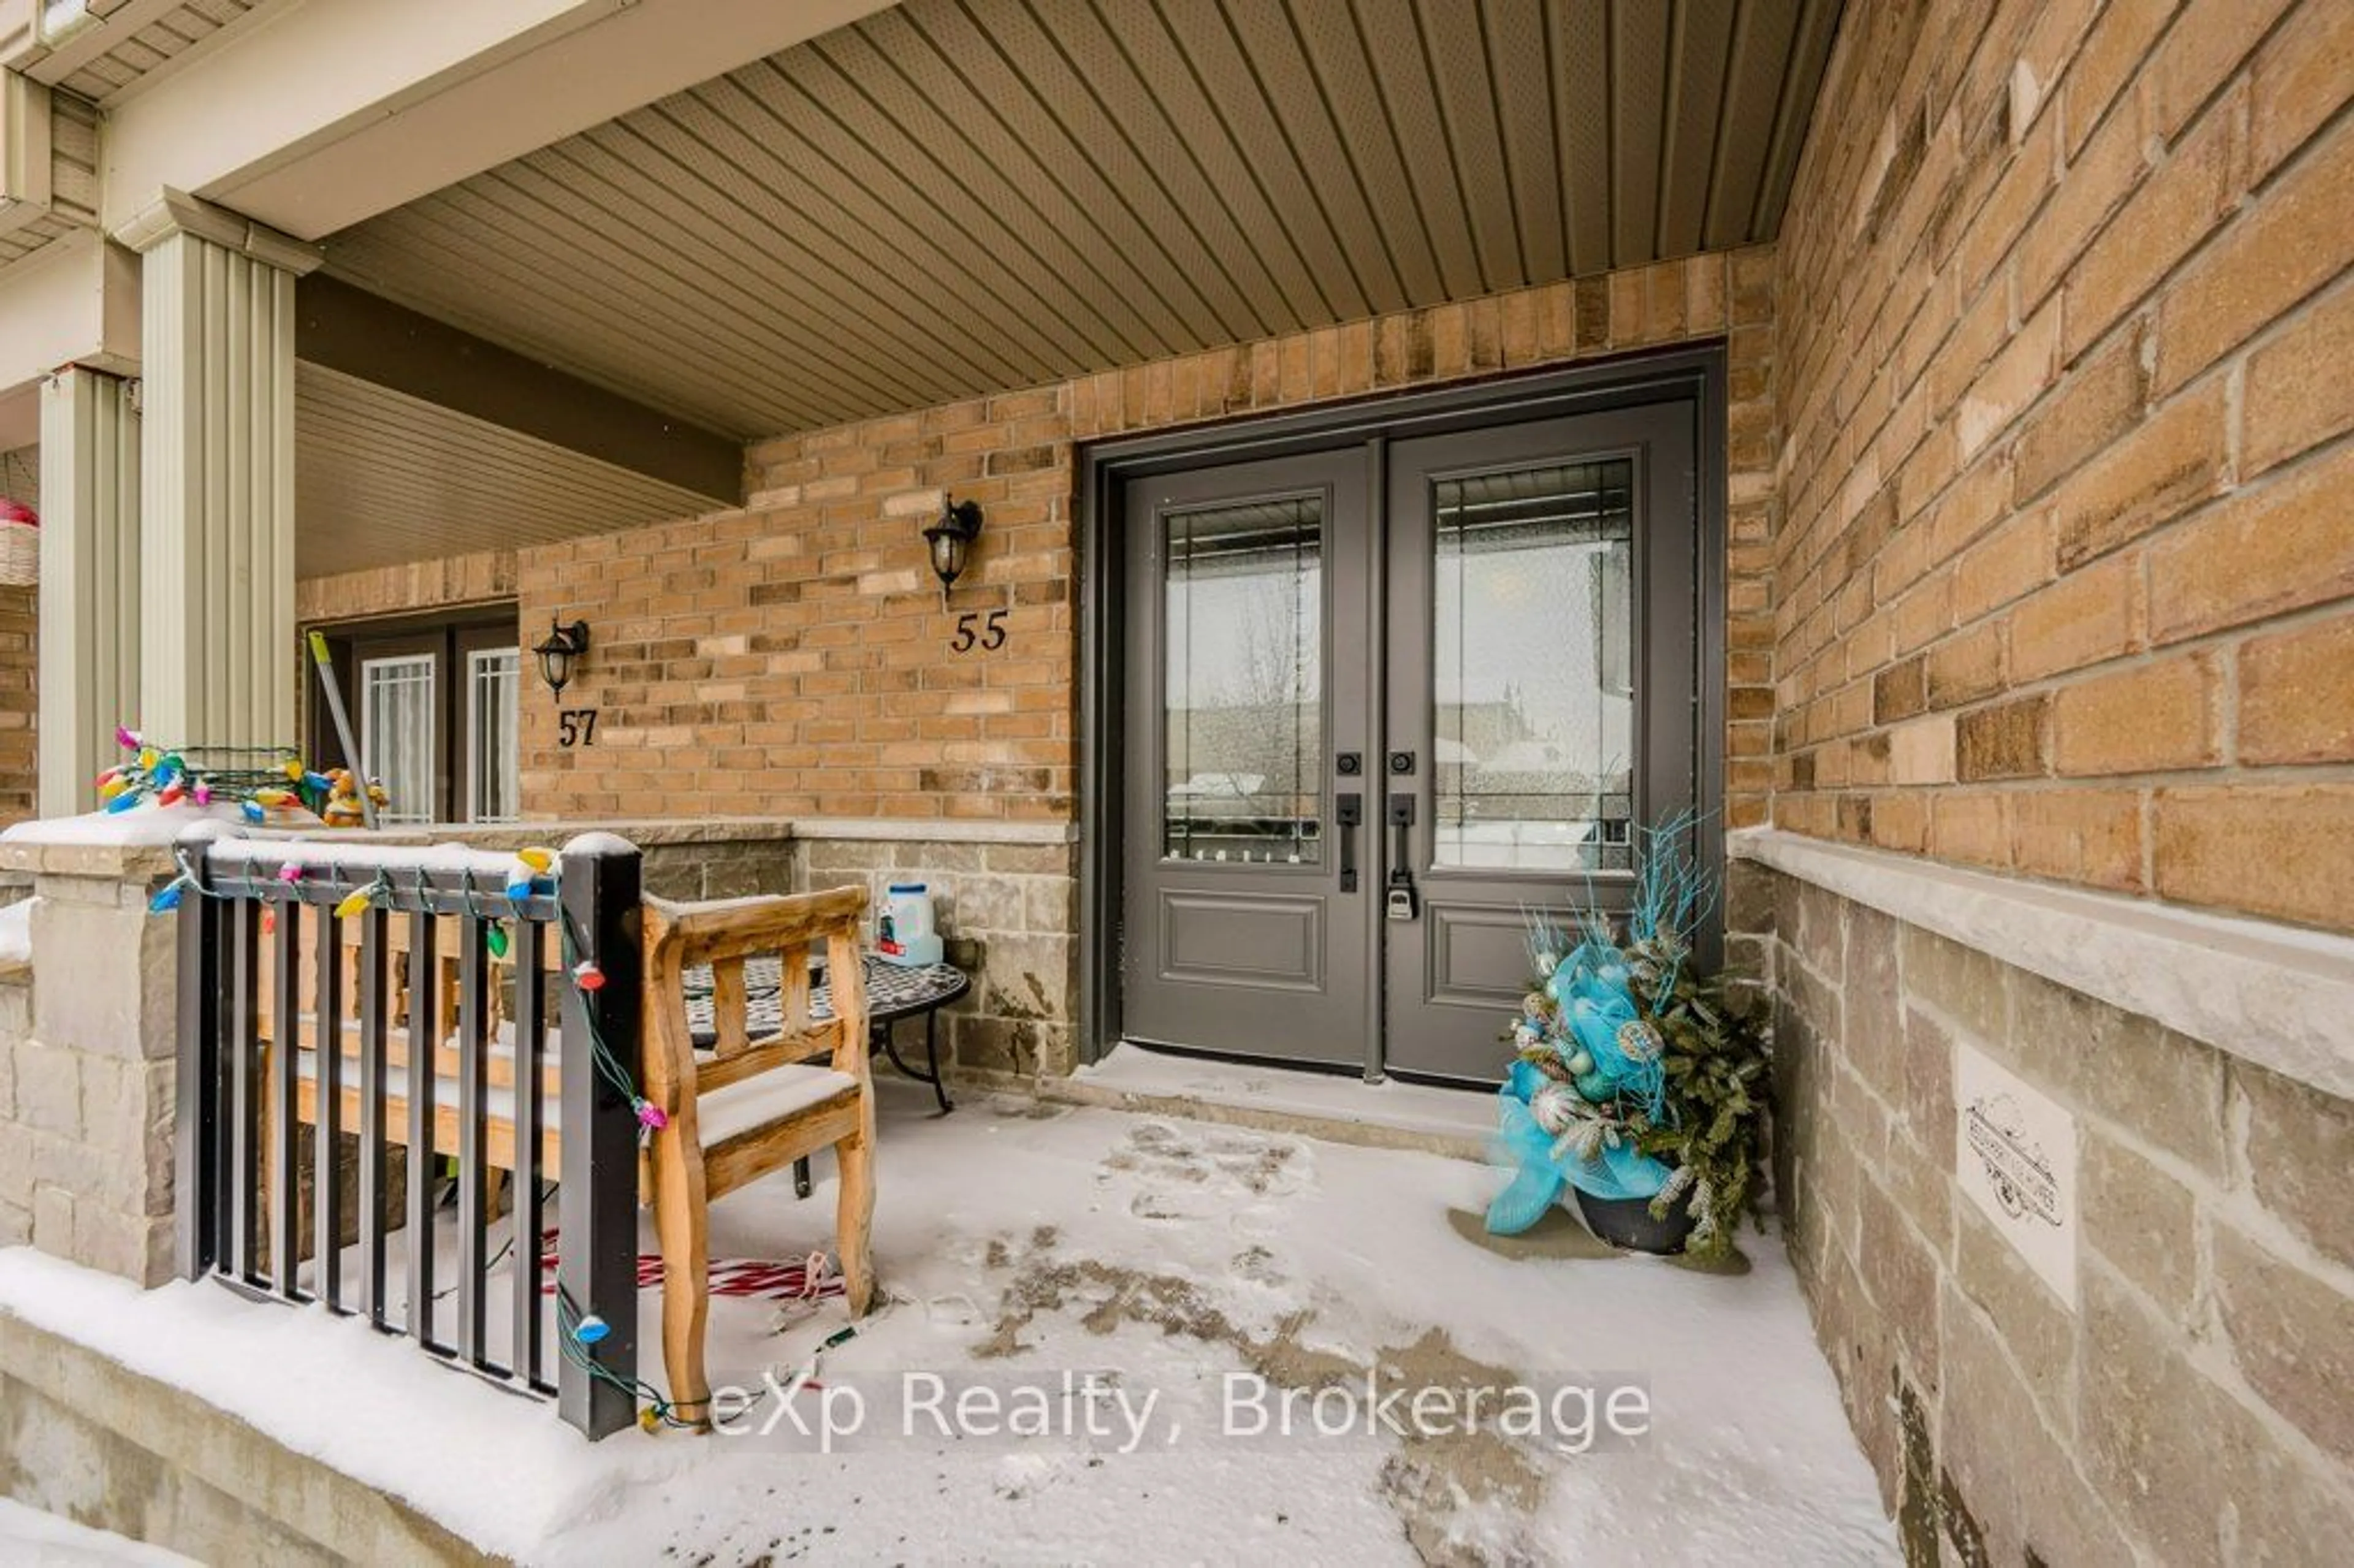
(1018, 1241)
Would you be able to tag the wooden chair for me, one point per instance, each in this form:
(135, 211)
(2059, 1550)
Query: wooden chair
(753, 1106)
(733, 1114)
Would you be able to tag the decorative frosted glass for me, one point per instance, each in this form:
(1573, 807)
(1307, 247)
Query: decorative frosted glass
(397, 734)
(1532, 675)
(1243, 612)
(494, 789)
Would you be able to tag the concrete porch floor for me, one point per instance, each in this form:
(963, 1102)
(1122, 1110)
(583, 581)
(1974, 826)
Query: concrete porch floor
(1018, 1240)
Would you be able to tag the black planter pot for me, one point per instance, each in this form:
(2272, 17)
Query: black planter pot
(1628, 1222)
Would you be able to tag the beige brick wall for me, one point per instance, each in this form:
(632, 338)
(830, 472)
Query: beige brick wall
(792, 658)
(19, 703)
(2197, 1406)
(2064, 313)
(451, 582)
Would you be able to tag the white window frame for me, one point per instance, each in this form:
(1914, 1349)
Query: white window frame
(398, 810)
(479, 684)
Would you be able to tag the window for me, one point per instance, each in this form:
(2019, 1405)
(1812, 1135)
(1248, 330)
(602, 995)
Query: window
(398, 733)
(435, 710)
(494, 686)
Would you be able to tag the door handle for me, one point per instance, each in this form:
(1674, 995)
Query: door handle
(1399, 901)
(1349, 813)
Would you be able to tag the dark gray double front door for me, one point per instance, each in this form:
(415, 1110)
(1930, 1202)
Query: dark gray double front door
(1386, 702)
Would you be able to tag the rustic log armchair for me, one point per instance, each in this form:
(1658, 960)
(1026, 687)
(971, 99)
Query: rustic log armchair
(751, 1107)
(731, 1113)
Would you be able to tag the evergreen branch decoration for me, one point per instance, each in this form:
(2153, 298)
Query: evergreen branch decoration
(1632, 1076)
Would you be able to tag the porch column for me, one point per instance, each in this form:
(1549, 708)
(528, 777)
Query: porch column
(90, 580)
(218, 656)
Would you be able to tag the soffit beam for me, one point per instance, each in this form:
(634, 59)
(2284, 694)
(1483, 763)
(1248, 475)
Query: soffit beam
(346, 329)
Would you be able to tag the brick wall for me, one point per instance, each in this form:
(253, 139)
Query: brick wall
(791, 659)
(451, 582)
(2063, 584)
(19, 703)
(2063, 590)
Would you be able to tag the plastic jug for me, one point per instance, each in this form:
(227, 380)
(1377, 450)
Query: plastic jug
(903, 932)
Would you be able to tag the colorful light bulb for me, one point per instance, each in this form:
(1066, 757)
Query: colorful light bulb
(539, 860)
(124, 801)
(588, 976)
(253, 813)
(289, 871)
(495, 938)
(269, 922)
(353, 902)
(202, 794)
(652, 1116)
(166, 899)
(590, 1330)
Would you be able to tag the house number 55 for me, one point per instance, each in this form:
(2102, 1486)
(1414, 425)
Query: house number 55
(989, 637)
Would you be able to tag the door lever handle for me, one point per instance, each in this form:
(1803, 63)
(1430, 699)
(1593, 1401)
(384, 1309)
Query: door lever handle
(1399, 901)
(1349, 812)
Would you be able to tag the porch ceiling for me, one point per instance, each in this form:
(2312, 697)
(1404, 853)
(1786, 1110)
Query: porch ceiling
(382, 477)
(956, 196)
(131, 41)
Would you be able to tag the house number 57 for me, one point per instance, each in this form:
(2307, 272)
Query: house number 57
(976, 631)
(576, 726)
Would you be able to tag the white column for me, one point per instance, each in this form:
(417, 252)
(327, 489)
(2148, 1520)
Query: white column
(90, 580)
(218, 655)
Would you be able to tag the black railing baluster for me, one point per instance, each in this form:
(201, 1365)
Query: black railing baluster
(376, 1007)
(327, 1084)
(244, 1176)
(418, 1087)
(474, 1147)
(530, 1027)
(241, 1113)
(597, 1219)
(198, 1084)
(285, 1104)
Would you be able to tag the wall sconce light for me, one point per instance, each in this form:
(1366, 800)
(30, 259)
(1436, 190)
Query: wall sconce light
(556, 653)
(952, 539)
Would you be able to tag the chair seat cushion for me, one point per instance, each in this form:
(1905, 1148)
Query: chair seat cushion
(766, 1097)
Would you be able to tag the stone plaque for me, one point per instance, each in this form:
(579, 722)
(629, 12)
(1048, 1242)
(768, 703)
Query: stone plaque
(2015, 1155)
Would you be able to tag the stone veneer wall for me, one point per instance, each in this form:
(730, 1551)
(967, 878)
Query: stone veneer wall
(2065, 584)
(1010, 909)
(2198, 1405)
(19, 704)
(86, 1062)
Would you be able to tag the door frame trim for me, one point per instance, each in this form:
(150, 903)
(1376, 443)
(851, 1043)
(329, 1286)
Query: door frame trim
(1694, 372)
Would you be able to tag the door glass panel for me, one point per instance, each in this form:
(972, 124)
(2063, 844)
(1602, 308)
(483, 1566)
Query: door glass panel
(398, 735)
(1533, 677)
(492, 782)
(1244, 712)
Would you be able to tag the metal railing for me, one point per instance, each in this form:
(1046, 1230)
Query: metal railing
(305, 1007)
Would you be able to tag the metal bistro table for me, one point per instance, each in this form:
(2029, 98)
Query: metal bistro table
(894, 991)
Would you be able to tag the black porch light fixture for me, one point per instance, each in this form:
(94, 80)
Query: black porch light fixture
(952, 539)
(557, 651)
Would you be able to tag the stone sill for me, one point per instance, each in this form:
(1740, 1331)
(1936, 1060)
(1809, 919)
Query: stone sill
(936, 830)
(128, 861)
(111, 862)
(2278, 996)
(646, 832)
